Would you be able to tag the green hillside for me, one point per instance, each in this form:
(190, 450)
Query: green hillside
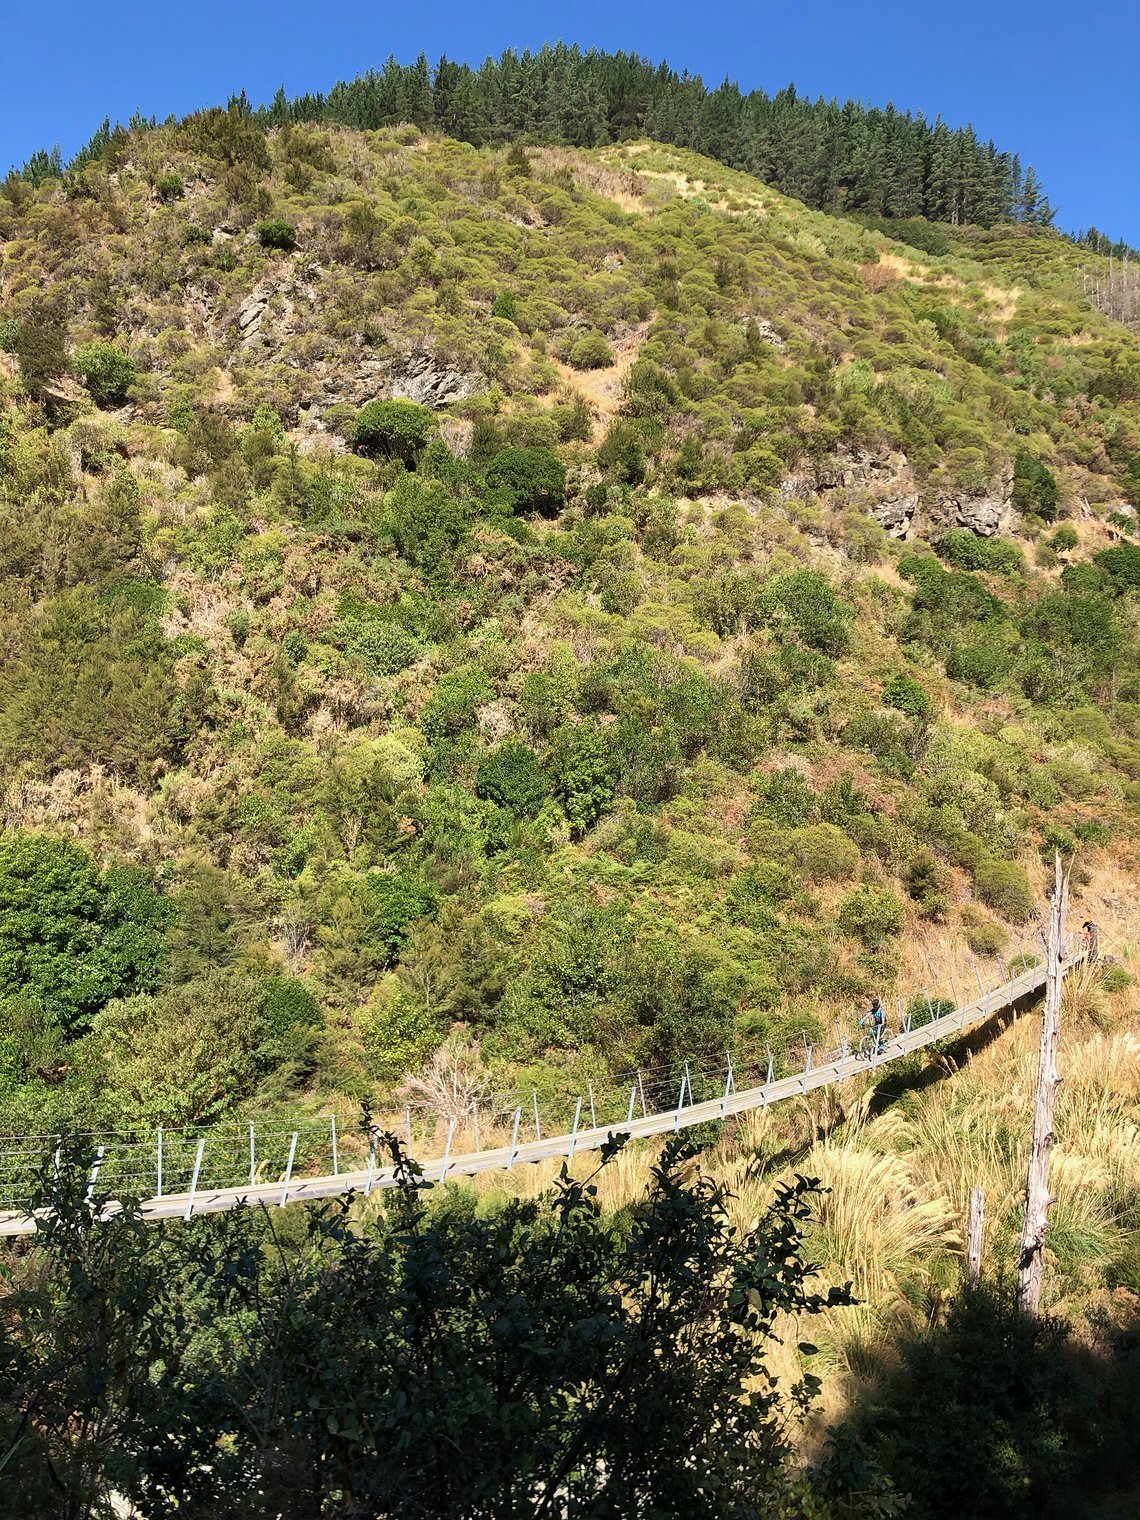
(577, 603)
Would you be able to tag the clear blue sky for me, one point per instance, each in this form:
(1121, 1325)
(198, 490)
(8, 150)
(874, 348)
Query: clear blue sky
(1055, 81)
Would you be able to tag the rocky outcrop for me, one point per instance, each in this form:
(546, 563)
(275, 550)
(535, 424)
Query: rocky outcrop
(419, 378)
(884, 486)
(984, 515)
(250, 310)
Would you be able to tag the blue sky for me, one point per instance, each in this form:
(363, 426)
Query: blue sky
(1054, 81)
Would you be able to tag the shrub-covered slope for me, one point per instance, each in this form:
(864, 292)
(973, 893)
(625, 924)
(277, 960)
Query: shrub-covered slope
(576, 601)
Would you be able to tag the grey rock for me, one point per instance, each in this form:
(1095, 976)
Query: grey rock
(249, 312)
(987, 514)
(896, 514)
(419, 379)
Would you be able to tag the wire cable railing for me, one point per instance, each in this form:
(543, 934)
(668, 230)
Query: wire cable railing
(189, 1170)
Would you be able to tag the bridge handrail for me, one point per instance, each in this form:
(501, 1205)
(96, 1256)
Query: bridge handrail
(736, 1091)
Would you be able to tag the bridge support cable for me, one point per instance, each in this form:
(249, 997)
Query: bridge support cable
(313, 1159)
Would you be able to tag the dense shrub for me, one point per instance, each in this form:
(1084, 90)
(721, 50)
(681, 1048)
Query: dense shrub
(533, 480)
(107, 372)
(786, 796)
(822, 852)
(277, 234)
(871, 914)
(1122, 565)
(907, 695)
(457, 697)
(394, 429)
(512, 777)
(591, 351)
(966, 551)
(1034, 487)
(73, 937)
(804, 600)
(427, 522)
(1004, 885)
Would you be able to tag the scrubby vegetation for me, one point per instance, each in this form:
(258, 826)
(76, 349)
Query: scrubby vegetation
(572, 606)
(473, 608)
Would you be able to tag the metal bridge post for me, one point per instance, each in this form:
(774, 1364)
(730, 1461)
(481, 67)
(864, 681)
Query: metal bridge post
(954, 989)
(537, 1126)
(641, 1090)
(632, 1100)
(335, 1155)
(288, 1170)
(371, 1165)
(252, 1156)
(807, 1062)
(158, 1194)
(731, 1073)
(929, 1004)
(574, 1131)
(727, 1090)
(194, 1179)
(514, 1139)
(978, 975)
(689, 1081)
(768, 1079)
(447, 1150)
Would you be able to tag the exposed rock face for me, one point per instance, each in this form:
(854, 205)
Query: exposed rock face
(885, 487)
(250, 310)
(418, 379)
(984, 515)
(896, 514)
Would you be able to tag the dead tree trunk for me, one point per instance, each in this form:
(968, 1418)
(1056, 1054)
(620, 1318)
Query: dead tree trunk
(974, 1238)
(1031, 1265)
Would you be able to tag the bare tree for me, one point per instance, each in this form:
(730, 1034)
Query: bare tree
(451, 1083)
(1031, 1264)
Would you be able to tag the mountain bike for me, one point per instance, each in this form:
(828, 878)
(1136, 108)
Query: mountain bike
(874, 1040)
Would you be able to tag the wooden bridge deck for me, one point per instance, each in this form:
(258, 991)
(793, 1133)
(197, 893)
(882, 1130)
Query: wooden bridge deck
(1023, 987)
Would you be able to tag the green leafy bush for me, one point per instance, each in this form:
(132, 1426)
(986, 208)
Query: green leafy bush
(986, 938)
(1122, 565)
(966, 551)
(591, 351)
(107, 372)
(73, 937)
(453, 704)
(1004, 885)
(534, 480)
(1064, 539)
(169, 187)
(393, 429)
(1034, 487)
(278, 234)
(871, 914)
(183, 1056)
(822, 852)
(511, 776)
(907, 695)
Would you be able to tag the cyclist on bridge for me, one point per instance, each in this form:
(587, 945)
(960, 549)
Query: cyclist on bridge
(876, 1016)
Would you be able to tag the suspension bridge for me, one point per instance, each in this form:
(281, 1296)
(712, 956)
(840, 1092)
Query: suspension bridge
(176, 1174)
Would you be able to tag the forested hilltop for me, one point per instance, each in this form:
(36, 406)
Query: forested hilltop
(576, 604)
(847, 158)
